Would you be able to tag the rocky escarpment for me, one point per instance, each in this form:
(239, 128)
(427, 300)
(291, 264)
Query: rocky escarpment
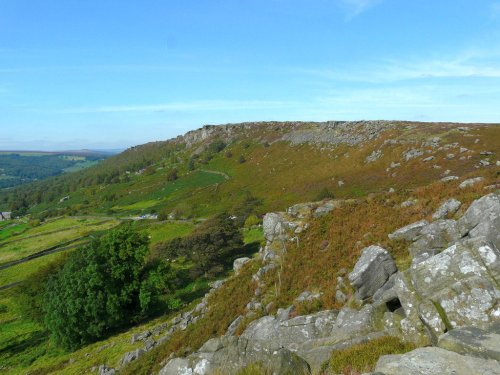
(448, 298)
(296, 132)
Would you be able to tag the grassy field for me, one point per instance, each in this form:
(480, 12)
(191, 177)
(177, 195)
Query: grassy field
(23, 240)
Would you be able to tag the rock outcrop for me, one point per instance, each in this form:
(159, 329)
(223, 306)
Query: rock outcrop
(435, 361)
(230, 354)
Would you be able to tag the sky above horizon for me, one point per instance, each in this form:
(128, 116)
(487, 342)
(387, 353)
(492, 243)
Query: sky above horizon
(105, 74)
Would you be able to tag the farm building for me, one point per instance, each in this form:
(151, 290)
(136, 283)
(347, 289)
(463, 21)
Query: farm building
(4, 216)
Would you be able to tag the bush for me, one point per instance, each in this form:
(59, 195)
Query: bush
(325, 193)
(363, 357)
(241, 159)
(251, 220)
(102, 286)
(172, 175)
(210, 246)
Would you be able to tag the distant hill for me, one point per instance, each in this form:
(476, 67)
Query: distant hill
(272, 164)
(21, 167)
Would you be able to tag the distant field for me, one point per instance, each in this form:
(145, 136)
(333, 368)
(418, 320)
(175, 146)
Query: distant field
(20, 240)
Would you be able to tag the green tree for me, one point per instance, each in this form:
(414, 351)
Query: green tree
(102, 286)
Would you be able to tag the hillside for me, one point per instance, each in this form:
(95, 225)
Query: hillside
(22, 167)
(314, 204)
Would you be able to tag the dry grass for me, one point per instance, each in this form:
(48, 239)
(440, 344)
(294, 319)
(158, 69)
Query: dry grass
(362, 358)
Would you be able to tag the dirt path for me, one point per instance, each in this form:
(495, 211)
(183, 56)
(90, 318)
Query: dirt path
(225, 175)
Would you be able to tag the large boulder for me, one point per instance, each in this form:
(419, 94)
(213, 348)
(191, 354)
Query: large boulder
(456, 288)
(435, 361)
(473, 341)
(482, 218)
(371, 272)
(288, 332)
(231, 354)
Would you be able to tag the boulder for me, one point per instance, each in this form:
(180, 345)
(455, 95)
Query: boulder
(455, 288)
(307, 296)
(449, 178)
(470, 182)
(104, 370)
(372, 270)
(292, 331)
(231, 354)
(409, 232)
(447, 208)
(273, 226)
(473, 341)
(131, 356)
(482, 219)
(435, 361)
(434, 238)
(238, 264)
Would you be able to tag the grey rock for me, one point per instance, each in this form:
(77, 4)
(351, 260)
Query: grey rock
(413, 153)
(473, 341)
(429, 158)
(104, 370)
(325, 208)
(470, 182)
(372, 270)
(141, 336)
(457, 287)
(375, 155)
(231, 330)
(447, 208)
(434, 238)
(409, 203)
(435, 361)
(482, 219)
(307, 296)
(239, 263)
(340, 297)
(291, 331)
(273, 226)
(230, 354)
(409, 232)
(131, 356)
(449, 178)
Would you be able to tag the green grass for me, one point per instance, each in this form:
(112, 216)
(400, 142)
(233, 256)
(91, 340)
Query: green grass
(14, 230)
(49, 234)
(363, 357)
(253, 235)
(168, 230)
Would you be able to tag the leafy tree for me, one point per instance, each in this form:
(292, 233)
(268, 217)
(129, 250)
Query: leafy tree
(211, 246)
(102, 286)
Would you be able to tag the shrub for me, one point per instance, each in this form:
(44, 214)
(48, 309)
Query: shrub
(173, 175)
(251, 220)
(325, 193)
(241, 159)
(210, 246)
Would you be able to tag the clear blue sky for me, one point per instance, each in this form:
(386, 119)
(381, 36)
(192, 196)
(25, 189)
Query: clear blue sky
(109, 74)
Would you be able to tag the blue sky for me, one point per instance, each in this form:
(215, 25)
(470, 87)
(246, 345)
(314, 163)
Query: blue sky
(111, 74)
